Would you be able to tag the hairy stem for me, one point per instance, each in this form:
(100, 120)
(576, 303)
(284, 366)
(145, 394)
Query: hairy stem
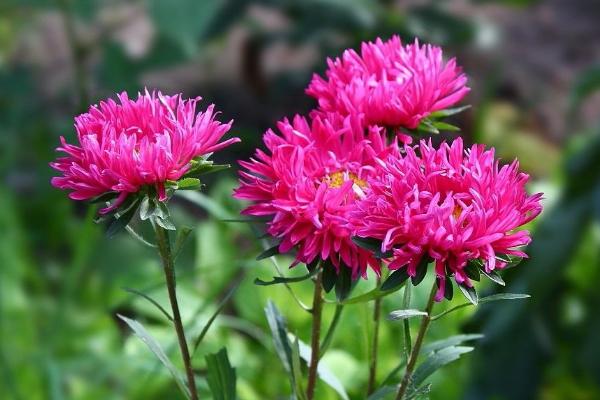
(374, 345)
(164, 249)
(317, 308)
(414, 354)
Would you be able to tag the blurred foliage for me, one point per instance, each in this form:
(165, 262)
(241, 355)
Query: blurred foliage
(61, 281)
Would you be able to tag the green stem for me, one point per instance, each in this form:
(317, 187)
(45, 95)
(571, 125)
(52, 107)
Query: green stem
(164, 249)
(414, 354)
(317, 309)
(334, 322)
(375, 344)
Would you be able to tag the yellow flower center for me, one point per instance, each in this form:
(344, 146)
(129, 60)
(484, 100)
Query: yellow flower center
(337, 179)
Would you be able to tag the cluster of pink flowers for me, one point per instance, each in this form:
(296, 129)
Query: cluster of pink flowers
(450, 204)
(132, 143)
(339, 175)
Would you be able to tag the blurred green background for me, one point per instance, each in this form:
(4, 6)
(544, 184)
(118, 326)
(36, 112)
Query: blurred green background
(534, 69)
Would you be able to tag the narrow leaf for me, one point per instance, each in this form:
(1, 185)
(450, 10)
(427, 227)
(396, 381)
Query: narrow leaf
(486, 299)
(280, 340)
(405, 314)
(297, 370)
(470, 293)
(155, 348)
(281, 279)
(451, 341)
(494, 277)
(383, 392)
(443, 126)
(448, 112)
(165, 223)
(213, 317)
(329, 276)
(147, 208)
(270, 252)
(373, 245)
(395, 280)
(421, 270)
(151, 300)
(436, 361)
(122, 219)
(344, 283)
(188, 183)
(221, 377)
(182, 235)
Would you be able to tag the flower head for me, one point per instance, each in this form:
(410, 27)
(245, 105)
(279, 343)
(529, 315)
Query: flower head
(309, 181)
(450, 204)
(128, 144)
(393, 85)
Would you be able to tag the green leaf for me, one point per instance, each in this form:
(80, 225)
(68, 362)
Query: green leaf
(322, 371)
(165, 223)
(213, 317)
(421, 270)
(121, 219)
(451, 341)
(395, 280)
(486, 299)
(221, 377)
(443, 126)
(405, 314)
(373, 245)
(370, 295)
(147, 208)
(472, 271)
(270, 252)
(151, 300)
(494, 277)
(280, 340)
(182, 235)
(470, 293)
(383, 392)
(281, 279)
(586, 84)
(437, 360)
(427, 126)
(189, 184)
(344, 283)
(329, 276)
(297, 370)
(155, 348)
(448, 112)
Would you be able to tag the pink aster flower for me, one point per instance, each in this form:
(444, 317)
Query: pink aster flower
(128, 144)
(450, 204)
(309, 181)
(393, 85)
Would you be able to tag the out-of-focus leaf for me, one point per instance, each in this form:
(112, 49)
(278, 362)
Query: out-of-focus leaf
(221, 377)
(151, 300)
(213, 317)
(437, 360)
(448, 112)
(448, 342)
(281, 279)
(155, 348)
(384, 392)
(182, 235)
(322, 371)
(297, 370)
(586, 84)
(405, 314)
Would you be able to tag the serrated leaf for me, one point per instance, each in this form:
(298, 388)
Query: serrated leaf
(322, 371)
(221, 377)
(448, 342)
(470, 293)
(405, 314)
(437, 360)
(270, 252)
(155, 348)
(448, 112)
(395, 280)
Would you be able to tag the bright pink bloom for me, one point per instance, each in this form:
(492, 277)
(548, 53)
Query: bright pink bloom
(451, 204)
(393, 85)
(126, 145)
(309, 181)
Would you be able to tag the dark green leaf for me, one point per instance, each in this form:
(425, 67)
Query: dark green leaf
(270, 252)
(221, 377)
(103, 198)
(395, 280)
(155, 347)
(121, 219)
(182, 235)
(383, 393)
(329, 276)
(472, 270)
(373, 245)
(280, 339)
(147, 208)
(470, 293)
(165, 223)
(494, 277)
(421, 270)
(405, 314)
(281, 279)
(343, 284)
